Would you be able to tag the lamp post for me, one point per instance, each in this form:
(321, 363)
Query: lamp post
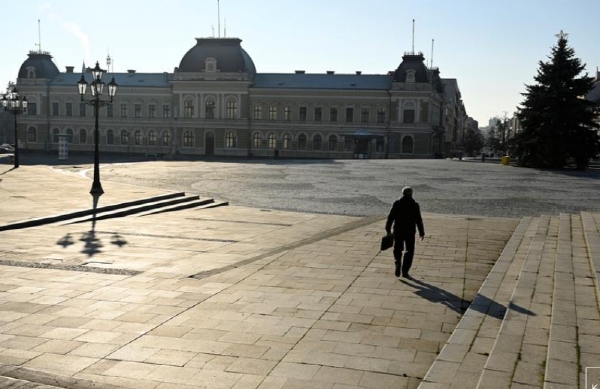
(97, 87)
(13, 103)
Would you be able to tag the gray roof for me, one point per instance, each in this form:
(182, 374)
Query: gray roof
(43, 64)
(122, 79)
(412, 62)
(594, 94)
(323, 81)
(230, 56)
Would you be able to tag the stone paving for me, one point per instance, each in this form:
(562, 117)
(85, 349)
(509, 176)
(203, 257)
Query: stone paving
(228, 297)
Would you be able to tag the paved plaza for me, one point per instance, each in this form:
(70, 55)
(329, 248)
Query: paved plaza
(264, 294)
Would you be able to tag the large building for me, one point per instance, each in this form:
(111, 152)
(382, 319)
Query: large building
(216, 103)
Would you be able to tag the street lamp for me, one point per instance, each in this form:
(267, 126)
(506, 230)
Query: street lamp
(96, 90)
(12, 103)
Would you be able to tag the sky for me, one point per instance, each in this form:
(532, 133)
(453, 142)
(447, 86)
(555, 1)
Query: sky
(491, 47)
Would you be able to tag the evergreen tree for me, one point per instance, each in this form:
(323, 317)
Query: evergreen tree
(558, 123)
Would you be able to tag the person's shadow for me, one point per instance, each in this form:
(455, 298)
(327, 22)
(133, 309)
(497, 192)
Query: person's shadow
(481, 303)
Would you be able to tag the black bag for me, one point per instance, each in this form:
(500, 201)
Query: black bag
(387, 242)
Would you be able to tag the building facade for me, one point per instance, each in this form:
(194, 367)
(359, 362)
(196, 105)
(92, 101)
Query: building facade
(216, 104)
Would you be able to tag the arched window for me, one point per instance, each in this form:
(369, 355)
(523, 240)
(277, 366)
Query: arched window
(188, 109)
(188, 139)
(287, 141)
(210, 109)
(70, 135)
(407, 145)
(317, 142)
(124, 137)
(55, 135)
(409, 112)
(110, 137)
(256, 140)
(82, 136)
(152, 138)
(272, 140)
(137, 137)
(230, 140)
(166, 139)
(231, 108)
(333, 142)
(31, 134)
(301, 142)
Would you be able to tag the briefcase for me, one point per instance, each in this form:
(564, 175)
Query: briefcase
(387, 242)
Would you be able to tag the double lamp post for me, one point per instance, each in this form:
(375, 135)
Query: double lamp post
(96, 89)
(13, 103)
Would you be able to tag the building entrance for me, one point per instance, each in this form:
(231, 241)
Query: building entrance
(210, 145)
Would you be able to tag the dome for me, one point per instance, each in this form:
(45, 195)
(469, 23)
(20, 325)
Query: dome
(415, 63)
(38, 65)
(228, 54)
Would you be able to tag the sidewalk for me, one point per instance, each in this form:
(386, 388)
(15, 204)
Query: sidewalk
(228, 297)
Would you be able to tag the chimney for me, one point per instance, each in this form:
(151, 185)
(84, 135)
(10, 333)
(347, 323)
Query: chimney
(330, 72)
(358, 72)
(130, 71)
(70, 69)
(300, 72)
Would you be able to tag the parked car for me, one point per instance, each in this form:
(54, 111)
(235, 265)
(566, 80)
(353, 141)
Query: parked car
(5, 148)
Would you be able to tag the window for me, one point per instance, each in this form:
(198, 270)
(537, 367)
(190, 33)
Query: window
(333, 114)
(152, 138)
(407, 144)
(272, 140)
(210, 109)
(364, 115)
(287, 141)
(256, 139)
(302, 114)
(137, 110)
(152, 111)
(409, 112)
(82, 109)
(110, 137)
(32, 108)
(137, 138)
(230, 140)
(287, 113)
(332, 143)
(231, 109)
(318, 114)
(317, 142)
(69, 109)
(82, 136)
(123, 110)
(55, 134)
(166, 111)
(380, 115)
(210, 64)
(166, 139)
(31, 134)
(257, 112)
(124, 137)
(379, 145)
(54, 109)
(349, 114)
(301, 142)
(188, 109)
(188, 139)
(69, 135)
(272, 112)
(109, 110)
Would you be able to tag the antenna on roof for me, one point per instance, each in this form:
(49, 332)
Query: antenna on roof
(83, 67)
(108, 61)
(39, 44)
(413, 37)
(219, 16)
(225, 28)
(431, 59)
(213, 30)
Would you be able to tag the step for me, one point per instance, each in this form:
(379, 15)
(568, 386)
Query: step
(81, 213)
(466, 351)
(500, 366)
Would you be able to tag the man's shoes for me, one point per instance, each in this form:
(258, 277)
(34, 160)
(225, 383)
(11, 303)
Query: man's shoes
(397, 272)
(406, 275)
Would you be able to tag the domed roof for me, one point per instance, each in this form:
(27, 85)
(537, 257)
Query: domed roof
(42, 65)
(229, 55)
(414, 62)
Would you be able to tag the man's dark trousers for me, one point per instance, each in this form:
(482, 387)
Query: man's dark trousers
(400, 241)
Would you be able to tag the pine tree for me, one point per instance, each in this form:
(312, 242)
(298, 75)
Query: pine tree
(558, 123)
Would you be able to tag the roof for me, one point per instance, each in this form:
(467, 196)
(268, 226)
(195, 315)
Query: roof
(41, 62)
(323, 81)
(122, 79)
(411, 61)
(230, 56)
(594, 94)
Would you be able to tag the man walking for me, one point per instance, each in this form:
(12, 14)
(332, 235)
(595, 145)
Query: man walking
(405, 215)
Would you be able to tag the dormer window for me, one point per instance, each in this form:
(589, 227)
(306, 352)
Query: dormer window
(410, 75)
(211, 64)
(30, 72)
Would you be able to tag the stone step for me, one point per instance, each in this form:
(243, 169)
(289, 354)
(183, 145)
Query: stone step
(499, 368)
(465, 353)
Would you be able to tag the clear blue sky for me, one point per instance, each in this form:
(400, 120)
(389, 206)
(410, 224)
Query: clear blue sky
(491, 47)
